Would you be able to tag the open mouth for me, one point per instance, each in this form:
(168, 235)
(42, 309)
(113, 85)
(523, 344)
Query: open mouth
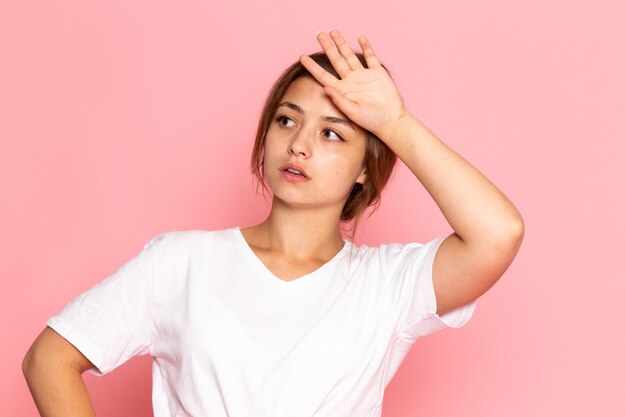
(294, 169)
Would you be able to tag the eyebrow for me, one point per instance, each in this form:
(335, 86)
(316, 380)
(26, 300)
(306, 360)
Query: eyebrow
(331, 119)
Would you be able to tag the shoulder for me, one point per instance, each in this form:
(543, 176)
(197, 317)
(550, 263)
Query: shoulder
(396, 253)
(177, 241)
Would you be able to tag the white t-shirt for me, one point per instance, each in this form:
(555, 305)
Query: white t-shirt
(229, 338)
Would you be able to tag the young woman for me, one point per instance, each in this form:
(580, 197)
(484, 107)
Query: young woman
(287, 318)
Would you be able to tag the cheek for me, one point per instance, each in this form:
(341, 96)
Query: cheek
(272, 155)
(269, 150)
(346, 168)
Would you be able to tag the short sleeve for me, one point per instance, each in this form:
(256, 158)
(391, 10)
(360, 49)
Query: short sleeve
(419, 306)
(111, 322)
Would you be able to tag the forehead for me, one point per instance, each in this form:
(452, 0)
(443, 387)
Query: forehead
(310, 95)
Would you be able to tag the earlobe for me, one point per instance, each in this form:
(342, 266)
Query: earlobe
(362, 178)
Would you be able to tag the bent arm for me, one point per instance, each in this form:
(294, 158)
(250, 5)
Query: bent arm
(488, 229)
(52, 368)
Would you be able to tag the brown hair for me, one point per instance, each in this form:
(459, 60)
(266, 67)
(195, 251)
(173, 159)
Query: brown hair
(379, 160)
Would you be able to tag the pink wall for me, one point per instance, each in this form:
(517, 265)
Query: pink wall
(119, 120)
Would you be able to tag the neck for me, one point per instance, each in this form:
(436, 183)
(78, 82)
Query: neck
(297, 233)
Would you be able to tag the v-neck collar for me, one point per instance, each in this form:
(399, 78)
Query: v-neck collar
(278, 282)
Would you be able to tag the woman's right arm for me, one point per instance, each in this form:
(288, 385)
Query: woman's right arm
(52, 368)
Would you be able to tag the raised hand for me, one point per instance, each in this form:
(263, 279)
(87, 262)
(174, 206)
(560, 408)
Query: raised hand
(368, 96)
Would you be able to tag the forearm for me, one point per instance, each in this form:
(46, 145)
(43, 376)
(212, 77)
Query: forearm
(58, 390)
(475, 208)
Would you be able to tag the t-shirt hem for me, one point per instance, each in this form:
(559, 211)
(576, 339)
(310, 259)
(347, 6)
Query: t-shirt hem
(80, 342)
(457, 317)
(452, 319)
(430, 322)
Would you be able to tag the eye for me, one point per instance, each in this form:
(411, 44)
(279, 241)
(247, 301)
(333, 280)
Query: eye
(284, 121)
(331, 134)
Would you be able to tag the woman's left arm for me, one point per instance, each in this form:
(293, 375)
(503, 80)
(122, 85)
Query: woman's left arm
(488, 228)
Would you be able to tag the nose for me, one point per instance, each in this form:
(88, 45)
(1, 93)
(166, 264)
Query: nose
(300, 144)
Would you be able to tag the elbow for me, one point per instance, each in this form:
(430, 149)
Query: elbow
(516, 230)
(510, 238)
(511, 235)
(510, 231)
(505, 237)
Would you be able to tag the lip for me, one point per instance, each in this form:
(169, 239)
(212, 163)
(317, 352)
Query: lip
(294, 166)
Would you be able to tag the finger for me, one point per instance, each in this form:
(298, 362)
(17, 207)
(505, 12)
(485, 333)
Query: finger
(347, 107)
(338, 62)
(320, 74)
(346, 51)
(368, 53)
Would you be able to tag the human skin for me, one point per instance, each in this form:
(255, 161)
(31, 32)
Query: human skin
(52, 368)
(302, 230)
(309, 123)
(488, 228)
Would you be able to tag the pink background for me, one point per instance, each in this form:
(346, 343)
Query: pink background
(120, 120)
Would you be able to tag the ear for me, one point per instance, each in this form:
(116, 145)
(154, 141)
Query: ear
(362, 177)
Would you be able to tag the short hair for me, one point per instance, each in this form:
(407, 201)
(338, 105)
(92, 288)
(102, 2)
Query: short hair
(378, 162)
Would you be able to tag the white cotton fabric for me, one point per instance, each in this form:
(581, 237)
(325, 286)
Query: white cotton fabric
(229, 338)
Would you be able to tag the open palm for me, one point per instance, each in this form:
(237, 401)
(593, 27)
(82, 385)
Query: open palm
(368, 96)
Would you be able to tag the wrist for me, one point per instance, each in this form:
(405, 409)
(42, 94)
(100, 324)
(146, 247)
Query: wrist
(398, 127)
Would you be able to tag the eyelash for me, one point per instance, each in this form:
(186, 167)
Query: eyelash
(280, 118)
